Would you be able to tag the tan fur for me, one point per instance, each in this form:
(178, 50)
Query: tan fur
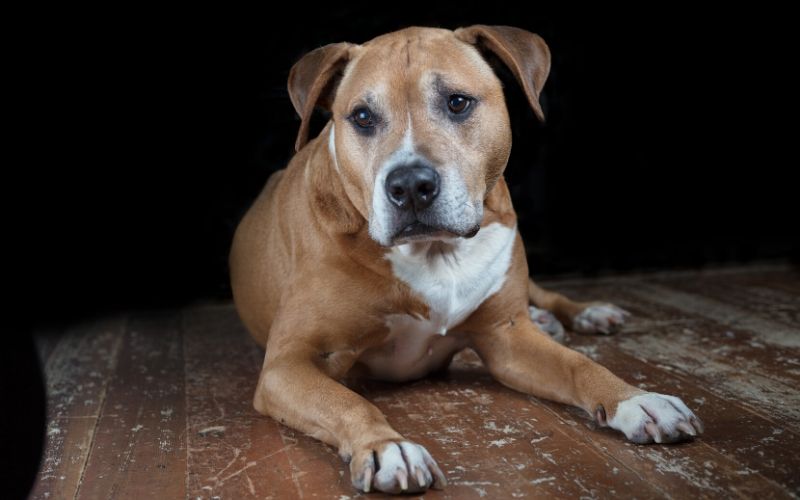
(314, 288)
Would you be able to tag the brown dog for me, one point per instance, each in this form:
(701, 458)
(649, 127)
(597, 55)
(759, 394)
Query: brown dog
(389, 243)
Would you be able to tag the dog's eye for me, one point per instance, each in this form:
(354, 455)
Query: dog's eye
(362, 117)
(458, 103)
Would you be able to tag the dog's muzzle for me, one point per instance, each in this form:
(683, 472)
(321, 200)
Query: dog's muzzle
(412, 190)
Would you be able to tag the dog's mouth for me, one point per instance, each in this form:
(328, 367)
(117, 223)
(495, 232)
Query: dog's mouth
(419, 231)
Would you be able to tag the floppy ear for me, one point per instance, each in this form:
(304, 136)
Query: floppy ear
(525, 53)
(312, 82)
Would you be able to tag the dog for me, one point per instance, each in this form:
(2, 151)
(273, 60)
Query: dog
(389, 244)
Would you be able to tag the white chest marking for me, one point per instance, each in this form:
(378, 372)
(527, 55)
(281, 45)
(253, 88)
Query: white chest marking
(453, 284)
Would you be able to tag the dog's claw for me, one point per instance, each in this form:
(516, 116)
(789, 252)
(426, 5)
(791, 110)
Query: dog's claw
(687, 428)
(420, 477)
(654, 431)
(439, 481)
(402, 478)
(368, 479)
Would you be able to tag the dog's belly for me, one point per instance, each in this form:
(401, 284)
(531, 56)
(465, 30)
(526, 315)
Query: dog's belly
(414, 348)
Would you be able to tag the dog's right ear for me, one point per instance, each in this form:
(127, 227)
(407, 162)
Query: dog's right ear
(525, 54)
(313, 81)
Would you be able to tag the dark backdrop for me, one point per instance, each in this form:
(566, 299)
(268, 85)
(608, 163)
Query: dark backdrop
(140, 138)
(665, 145)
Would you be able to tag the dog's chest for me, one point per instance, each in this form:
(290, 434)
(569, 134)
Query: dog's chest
(453, 283)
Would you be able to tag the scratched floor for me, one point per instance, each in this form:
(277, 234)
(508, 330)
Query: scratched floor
(157, 405)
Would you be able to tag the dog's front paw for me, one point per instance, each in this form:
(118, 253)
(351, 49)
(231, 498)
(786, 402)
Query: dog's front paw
(547, 322)
(395, 467)
(600, 318)
(655, 417)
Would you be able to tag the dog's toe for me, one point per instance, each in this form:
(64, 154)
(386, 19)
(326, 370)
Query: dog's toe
(600, 318)
(547, 322)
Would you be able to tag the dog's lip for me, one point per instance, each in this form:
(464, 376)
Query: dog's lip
(418, 227)
(420, 231)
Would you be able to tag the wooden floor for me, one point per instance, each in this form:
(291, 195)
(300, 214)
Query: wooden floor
(158, 405)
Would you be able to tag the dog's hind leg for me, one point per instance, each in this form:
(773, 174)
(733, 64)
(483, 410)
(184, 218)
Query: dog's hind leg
(581, 317)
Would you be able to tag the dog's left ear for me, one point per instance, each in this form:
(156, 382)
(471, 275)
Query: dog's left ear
(525, 54)
(312, 82)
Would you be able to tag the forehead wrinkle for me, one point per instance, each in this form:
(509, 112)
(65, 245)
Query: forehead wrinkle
(406, 84)
(413, 73)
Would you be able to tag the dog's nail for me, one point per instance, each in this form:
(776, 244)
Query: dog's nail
(402, 478)
(367, 479)
(439, 481)
(420, 477)
(698, 424)
(600, 415)
(654, 431)
(688, 429)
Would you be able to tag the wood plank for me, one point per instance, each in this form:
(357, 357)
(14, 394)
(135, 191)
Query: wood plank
(497, 443)
(490, 441)
(676, 470)
(231, 449)
(723, 341)
(487, 438)
(759, 446)
(139, 447)
(745, 348)
(767, 295)
(77, 374)
(784, 279)
(765, 329)
(732, 362)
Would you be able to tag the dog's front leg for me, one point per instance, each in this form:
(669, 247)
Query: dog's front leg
(523, 358)
(295, 387)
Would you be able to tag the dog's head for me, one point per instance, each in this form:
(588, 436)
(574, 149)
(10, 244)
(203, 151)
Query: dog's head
(420, 131)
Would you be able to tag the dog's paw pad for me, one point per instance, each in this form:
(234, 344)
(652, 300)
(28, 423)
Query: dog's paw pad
(600, 318)
(653, 417)
(547, 322)
(395, 467)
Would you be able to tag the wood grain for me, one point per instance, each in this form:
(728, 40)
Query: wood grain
(77, 373)
(159, 405)
(139, 446)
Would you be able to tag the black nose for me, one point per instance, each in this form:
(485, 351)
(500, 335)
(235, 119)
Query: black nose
(412, 186)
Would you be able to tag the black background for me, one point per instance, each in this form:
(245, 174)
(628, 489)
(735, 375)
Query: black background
(140, 138)
(667, 144)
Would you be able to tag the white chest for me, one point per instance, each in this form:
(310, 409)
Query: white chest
(453, 282)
